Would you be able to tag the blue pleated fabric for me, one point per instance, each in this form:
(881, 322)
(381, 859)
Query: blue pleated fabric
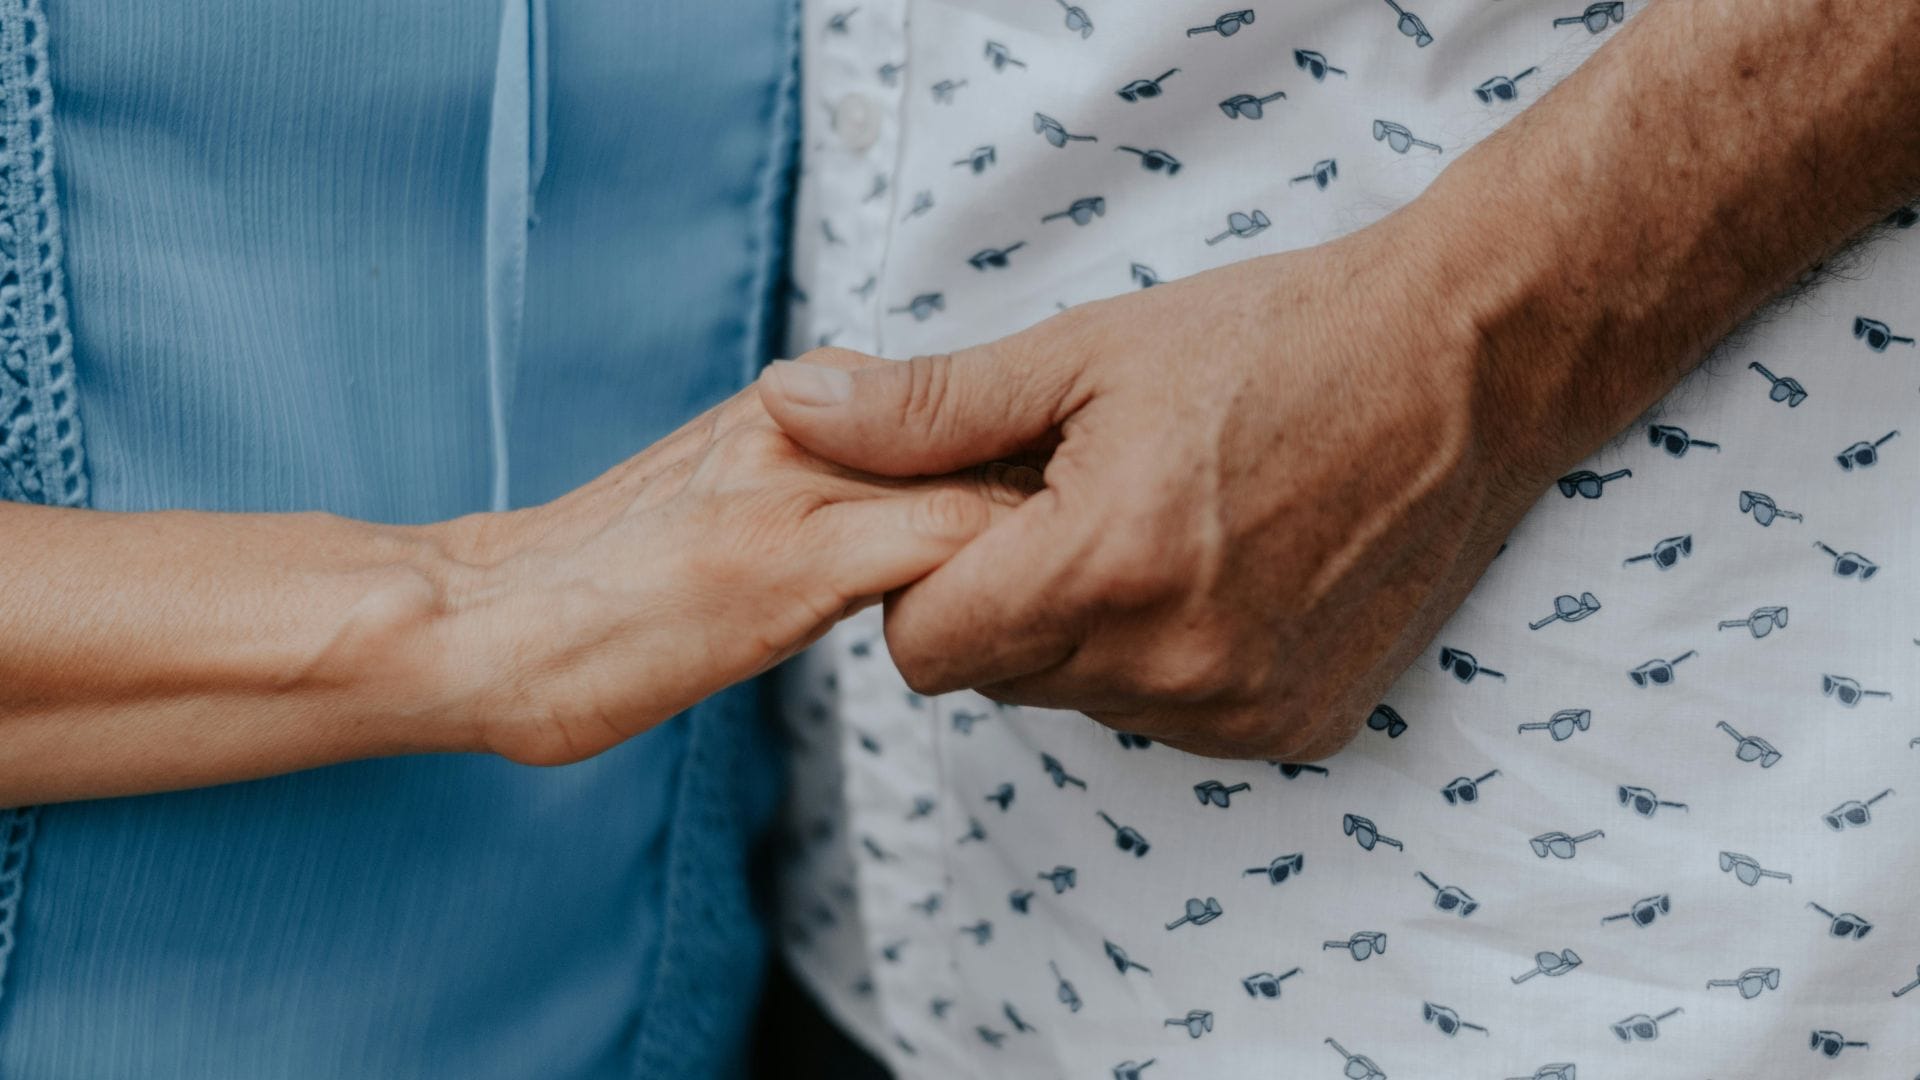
(293, 237)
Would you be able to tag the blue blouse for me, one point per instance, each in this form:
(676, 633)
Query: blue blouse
(400, 262)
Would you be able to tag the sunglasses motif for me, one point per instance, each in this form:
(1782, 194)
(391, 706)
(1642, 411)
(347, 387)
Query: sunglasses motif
(1665, 553)
(1751, 982)
(1064, 990)
(978, 159)
(1596, 17)
(1863, 454)
(1764, 509)
(1366, 834)
(1463, 789)
(1787, 390)
(1844, 925)
(1446, 1020)
(995, 258)
(1384, 718)
(1398, 138)
(1077, 20)
(1849, 563)
(1358, 1066)
(1831, 1043)
(1291, 769)
(1563, 724)
(1314, 64)
(1588, 484)
(1559, 1070)
(1217, 793)
(1747, 870)
(1226, 25)
(1675, 440)
(1361, 945)
(1853, 813)
(1000, 56)
(1055, 133)
(1243, 226)
(1145, 89)
(1464, 666)
(1447, 898)
(1642, 1027)
(1569, 609)
(1847, 691)
(1248, 105)
(1751, 748)
(1197, 1022)
(1081, 212)
(1281, 868)
(1644, 802)
(1128, 1070)
(1876, 334)
(1019, 899)
(1656, 672)
(1324, 172)
(1126, 837)
(1411, 26)
(1560, 845)
(1121, 961)
(1061, 877)
(1058, 773)
(1153, 160)
(1500, 87)
(1144, 275)
(1644, 911)
(1199, 913)
(982, 932)
(921, 307)
(1001, 796)
(1761, 622)
(1904, 990)
(1265, 985)
(1551, 964)
(944, 89)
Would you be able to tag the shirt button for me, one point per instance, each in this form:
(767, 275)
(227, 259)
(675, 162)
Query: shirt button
(856, 119)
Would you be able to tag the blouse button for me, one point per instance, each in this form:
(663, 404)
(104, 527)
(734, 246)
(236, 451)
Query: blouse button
(856, 119)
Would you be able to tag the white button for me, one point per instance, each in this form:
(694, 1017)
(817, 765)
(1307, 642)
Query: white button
(856, 119)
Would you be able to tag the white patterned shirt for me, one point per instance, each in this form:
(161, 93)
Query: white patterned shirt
(1621, 815)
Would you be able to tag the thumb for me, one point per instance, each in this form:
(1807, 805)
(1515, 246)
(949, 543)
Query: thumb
(927, 416)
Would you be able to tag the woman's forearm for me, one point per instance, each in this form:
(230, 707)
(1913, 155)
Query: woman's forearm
(155, 651)
(152, 651)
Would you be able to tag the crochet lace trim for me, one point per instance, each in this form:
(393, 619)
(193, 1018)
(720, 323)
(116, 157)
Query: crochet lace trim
(40, 453)
(16, 836)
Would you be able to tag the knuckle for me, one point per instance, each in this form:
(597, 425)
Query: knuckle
(929, 380)
(1193, 667)
(1132, 574)
(949, 513)
(923, 674)
(754, 448)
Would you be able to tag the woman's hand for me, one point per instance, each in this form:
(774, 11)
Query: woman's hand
(702, 561)
(155, 651)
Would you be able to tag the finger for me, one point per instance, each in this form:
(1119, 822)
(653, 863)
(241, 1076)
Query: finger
(1003, 607)
(929, 415)
(872, 546)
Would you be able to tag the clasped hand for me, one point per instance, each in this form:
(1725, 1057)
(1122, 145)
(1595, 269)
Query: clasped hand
(698, 563)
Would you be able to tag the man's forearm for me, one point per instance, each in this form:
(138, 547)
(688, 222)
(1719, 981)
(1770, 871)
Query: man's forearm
(1694, 167)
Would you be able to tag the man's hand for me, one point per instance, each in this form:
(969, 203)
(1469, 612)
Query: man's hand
(1268, 485)
(1268, 490)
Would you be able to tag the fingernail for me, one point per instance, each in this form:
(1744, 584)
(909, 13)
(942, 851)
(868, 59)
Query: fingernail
(811, 384)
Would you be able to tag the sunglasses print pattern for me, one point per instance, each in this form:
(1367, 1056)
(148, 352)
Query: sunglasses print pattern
(1526, 865)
